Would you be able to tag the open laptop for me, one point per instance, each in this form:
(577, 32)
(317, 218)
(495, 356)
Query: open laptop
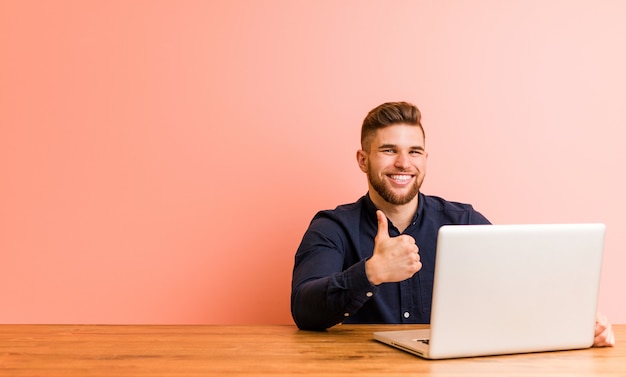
(504, 289)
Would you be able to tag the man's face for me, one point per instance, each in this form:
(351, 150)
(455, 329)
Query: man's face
(395, 163)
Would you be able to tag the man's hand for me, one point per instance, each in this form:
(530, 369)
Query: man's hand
(394, 259)
(604, 336)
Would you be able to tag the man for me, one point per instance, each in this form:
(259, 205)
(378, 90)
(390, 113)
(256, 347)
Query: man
(372, 261)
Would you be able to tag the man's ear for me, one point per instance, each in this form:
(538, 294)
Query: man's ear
(361, 159)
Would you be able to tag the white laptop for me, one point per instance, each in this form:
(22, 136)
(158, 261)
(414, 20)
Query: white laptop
(504, 289)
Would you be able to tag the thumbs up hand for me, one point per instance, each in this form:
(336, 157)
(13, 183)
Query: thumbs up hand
(394, 259)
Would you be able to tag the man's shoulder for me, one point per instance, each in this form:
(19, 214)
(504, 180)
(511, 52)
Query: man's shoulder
(439, 203)
(451, 212)
(347, 210)
(338, 222)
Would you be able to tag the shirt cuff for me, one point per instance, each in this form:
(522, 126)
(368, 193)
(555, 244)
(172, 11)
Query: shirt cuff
(362, 288)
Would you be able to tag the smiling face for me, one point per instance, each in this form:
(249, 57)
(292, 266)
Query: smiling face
(395, 164)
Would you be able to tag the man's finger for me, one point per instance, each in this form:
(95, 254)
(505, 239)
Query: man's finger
(383, 230)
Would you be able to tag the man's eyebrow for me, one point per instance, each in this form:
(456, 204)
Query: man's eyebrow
(392, 146)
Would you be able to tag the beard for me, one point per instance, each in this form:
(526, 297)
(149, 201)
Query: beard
(386, 192)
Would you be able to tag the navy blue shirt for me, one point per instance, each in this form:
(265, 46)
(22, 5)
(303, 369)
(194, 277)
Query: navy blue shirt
(329, 283)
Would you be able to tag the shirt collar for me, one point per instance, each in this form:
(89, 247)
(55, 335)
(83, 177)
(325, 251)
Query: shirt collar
(371, 208)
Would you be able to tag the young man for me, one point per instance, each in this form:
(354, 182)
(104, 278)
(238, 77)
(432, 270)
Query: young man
(372, 261)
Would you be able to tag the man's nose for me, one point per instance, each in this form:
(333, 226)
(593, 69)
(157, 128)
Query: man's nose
(402, 160)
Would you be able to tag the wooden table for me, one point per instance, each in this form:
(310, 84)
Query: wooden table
(212, 350)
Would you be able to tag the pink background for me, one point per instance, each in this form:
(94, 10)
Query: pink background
(160, 160)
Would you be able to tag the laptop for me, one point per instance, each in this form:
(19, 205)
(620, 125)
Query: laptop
(506, 289)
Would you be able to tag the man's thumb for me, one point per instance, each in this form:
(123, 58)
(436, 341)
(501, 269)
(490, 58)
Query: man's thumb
(383, 231)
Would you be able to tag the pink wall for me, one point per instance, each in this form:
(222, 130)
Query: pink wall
(160, 160)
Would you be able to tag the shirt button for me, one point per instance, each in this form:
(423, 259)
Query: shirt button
(346, 314)
(369, 294)
(407, 314)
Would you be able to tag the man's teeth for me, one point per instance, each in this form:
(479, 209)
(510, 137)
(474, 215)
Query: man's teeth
(401, 177)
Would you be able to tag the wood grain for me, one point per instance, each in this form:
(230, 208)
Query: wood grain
(212, 350)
